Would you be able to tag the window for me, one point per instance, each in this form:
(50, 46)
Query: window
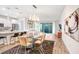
(46, 27)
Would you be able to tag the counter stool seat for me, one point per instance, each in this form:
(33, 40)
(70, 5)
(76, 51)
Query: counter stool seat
(14, 36)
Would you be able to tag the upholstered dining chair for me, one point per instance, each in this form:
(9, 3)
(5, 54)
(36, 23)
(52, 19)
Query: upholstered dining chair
(39, 41)
(26, 43)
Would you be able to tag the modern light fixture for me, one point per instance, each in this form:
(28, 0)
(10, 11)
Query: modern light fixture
(34, 17)
(34, 6)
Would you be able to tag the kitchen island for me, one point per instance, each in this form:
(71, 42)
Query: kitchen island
(8, 35)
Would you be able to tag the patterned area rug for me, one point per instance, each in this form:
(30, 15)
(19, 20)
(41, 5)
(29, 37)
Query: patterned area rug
(47, 48)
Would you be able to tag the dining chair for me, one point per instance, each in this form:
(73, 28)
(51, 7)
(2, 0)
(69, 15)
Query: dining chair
(38, 43)
(24, 42)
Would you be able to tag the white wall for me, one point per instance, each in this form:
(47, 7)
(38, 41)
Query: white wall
(72, 45)
(8, 23)
(22, 24)
(56, 26)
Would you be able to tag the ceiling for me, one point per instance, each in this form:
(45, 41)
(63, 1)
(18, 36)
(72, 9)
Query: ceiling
(44, 12)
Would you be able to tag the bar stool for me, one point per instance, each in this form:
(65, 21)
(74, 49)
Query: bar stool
(22, 34)
(15, 36)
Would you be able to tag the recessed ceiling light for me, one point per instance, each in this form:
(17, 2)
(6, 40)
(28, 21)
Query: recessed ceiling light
(7, 8)
(3, 8)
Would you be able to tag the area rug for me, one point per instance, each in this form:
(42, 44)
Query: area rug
(47, 48)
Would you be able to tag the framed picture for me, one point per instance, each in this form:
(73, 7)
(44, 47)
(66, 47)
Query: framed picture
(71, 26)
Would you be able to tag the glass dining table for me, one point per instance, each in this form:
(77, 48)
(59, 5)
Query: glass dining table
(33, 39)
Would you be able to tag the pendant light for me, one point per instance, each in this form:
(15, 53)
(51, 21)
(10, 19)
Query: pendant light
(34, 17)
